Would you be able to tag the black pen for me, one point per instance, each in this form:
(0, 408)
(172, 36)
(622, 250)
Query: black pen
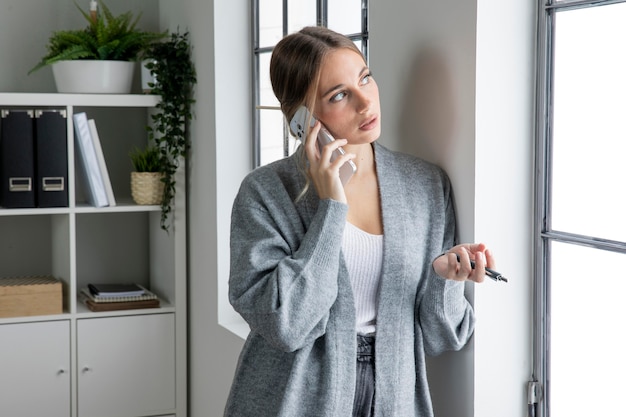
(494, 275)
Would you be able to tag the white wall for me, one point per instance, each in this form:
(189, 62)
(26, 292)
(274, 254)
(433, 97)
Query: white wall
(427, 97)
(504, 202)
(462, 71)
(220, 157)
(25, 27)
(460, 93)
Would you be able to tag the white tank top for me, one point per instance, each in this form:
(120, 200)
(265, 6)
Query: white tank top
(363, 253)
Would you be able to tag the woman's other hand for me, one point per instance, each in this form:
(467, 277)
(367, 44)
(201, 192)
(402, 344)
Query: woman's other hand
(455, 263)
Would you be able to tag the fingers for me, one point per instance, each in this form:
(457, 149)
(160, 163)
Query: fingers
(324, 157)
(474, 247)
(469, 266)
(465, 262)
(478, 271)
(310, 145)
(323, 170)
(450, 266)
(491, 261)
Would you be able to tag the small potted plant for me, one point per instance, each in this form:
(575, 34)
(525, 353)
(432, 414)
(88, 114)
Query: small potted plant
(146, 181)
(169, 62)
(84, 60)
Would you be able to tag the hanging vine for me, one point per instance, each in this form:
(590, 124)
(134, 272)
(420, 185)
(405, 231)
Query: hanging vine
(175, 77)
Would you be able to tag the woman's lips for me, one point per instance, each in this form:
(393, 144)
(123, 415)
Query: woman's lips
(369, 124)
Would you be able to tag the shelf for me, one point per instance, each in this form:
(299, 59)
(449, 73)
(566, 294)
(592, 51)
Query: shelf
(82, 312)
(78, 359)
(35, 319)
(62, 100)
(123, 207)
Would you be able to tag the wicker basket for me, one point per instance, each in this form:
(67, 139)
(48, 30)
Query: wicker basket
(146, 187)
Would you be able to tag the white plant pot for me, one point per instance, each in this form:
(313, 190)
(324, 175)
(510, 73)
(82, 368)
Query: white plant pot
(93, 77)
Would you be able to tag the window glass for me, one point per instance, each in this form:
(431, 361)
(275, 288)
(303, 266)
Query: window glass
(589, 131)
(359, 45)
(273, 128)
(270, 21)
(266, 94)
(344, 16)
(301, 13)
(587, 358)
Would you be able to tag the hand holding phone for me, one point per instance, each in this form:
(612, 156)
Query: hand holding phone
(298, 126)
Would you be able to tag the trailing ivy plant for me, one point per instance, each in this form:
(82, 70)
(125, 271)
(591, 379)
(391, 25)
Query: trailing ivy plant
(107, 37)
(171, 66)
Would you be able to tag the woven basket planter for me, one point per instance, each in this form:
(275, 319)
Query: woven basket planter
(146, 187)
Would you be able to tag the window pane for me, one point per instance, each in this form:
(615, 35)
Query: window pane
(589, 130)
(359, 44)
(270, 22)
(344, 16)
(266, 94)
(272, 132)
(301, 13)
(587, 360)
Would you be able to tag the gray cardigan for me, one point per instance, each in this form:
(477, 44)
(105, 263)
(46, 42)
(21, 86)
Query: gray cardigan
(288, 280)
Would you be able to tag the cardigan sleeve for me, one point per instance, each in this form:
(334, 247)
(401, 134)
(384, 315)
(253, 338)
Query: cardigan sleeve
(446, 316)
(283, 274)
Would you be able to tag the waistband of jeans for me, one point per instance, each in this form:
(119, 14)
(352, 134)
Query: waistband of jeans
(365, 348)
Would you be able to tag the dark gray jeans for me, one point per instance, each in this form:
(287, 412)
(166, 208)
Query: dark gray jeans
(365, 377)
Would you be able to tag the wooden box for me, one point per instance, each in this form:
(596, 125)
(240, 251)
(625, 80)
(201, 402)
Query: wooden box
(30, 296)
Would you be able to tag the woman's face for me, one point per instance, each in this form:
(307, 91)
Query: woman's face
(347, 98)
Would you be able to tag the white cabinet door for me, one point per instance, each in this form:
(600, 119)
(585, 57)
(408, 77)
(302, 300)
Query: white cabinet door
(35, 369)
(126, 365)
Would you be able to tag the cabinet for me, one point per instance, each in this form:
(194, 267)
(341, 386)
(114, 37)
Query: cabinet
(131, 359)
(36, 364)
(119, 363)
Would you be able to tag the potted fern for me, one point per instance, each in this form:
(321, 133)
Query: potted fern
(146, 181)
(169, 62)
(99, 58)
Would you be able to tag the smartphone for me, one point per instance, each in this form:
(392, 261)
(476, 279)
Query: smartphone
(298, 123)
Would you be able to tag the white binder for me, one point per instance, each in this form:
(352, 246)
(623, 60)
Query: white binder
(96, 191)
(102, 162)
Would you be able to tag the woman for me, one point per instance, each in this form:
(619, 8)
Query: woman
(345, 288)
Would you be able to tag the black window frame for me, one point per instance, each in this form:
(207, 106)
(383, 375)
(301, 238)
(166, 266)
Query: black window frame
(538, 393)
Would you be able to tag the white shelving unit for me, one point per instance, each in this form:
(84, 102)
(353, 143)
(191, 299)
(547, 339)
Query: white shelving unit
(74, 360)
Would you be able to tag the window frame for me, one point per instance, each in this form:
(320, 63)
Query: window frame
(538, 393)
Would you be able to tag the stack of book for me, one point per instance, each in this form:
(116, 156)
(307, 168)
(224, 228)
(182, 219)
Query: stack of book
(109, 297)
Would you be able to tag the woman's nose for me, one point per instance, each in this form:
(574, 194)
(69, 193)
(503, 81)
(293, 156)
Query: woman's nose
(364, 102)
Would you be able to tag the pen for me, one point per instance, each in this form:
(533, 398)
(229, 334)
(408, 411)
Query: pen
(494, 275)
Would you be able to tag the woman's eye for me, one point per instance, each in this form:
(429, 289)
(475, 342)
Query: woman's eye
(338, 97)
(366, 79)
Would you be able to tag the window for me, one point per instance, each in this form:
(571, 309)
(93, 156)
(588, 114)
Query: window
(272, 20)
(581, 230)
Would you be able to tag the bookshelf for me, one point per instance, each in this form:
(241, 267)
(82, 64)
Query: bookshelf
(85, 358)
